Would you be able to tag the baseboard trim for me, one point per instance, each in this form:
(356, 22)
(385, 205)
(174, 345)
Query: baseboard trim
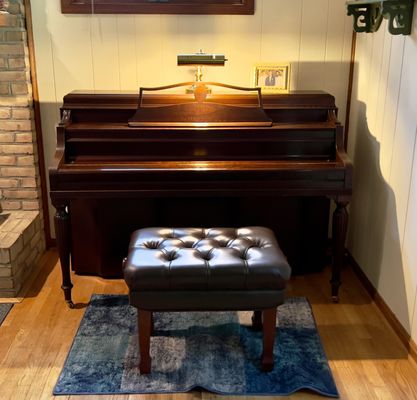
(393, 321)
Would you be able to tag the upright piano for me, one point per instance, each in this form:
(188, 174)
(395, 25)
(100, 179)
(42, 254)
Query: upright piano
(110, 177)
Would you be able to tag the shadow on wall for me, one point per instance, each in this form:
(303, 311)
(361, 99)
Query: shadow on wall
(373, 237)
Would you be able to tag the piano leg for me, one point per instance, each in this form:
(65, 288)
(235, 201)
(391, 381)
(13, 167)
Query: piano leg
(339, 228)
(63, 238)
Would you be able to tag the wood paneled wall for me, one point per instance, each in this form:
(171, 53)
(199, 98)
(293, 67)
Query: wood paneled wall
(123, 52)
(382, 140)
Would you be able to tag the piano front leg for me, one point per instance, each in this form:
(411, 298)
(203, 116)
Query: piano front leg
(63, 239)
(339, 229)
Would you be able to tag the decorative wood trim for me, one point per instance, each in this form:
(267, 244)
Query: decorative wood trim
(38, 125)
(157, 7)
(392, 320)
(350, 86)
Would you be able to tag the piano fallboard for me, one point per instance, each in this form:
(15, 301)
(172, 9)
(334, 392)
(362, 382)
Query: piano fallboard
(186, 178)
(118, 142)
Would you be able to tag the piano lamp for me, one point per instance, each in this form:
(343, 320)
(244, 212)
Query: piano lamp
(198, 60)
(368, 15)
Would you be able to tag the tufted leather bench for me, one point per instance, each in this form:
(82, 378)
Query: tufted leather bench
(196, 269)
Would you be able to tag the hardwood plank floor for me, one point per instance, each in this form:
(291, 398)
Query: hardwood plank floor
(367, 358)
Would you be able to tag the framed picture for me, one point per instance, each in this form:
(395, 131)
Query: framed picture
(158, 6)
(273, 78)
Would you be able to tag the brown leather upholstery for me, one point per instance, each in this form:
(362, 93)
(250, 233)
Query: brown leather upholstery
(191, 269)
(201, 269)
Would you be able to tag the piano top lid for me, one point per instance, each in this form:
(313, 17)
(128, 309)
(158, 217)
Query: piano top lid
(106, 99)
(119, 107)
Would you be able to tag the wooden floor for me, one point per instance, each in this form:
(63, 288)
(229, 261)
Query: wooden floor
(367, 359)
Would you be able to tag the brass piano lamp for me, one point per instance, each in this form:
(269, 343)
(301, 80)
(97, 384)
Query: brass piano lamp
(198, 60)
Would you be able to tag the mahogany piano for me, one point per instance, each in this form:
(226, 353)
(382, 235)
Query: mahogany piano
(110, 177)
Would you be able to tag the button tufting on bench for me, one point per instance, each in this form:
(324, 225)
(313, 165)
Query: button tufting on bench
(205, 259)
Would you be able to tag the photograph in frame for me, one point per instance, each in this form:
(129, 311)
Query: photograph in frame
(273, 77)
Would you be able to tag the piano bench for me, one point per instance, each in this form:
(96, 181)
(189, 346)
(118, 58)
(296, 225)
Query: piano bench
(196, 269)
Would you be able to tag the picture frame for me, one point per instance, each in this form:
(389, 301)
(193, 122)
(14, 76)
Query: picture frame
(158, 7)
(273, 77)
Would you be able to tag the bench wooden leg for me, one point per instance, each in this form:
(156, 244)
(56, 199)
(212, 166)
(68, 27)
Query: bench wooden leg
(144, 331)
(269, 319)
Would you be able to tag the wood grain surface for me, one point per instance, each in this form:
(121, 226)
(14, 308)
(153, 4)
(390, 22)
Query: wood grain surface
(367, 359)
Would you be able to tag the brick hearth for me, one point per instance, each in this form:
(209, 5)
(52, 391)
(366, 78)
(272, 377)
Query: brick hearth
(22, 239)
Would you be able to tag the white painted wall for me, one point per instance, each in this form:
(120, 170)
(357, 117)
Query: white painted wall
(123, 52)
(382, 142)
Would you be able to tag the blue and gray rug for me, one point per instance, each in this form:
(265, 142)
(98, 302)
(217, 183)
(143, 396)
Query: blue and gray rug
(4, 310)
(217, 351)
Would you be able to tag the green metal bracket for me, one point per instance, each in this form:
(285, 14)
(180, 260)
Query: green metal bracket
(368, 15)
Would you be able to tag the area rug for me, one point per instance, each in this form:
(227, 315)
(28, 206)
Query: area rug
(218, 352)
(4, 310)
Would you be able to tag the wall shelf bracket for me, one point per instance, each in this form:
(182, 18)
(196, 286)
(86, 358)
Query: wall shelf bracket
(368, 15)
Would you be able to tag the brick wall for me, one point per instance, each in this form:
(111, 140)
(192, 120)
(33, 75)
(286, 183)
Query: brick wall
(19, 174)
(22, 240)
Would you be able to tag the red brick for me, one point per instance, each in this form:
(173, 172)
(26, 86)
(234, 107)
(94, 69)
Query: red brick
(8, 183)
(12, 76)
(23, 149)
(5, 113)
(6, 137)
(17, 101)
(25, 160)
(4, 88)
(12, 49)
(20, 194)
(16, 63)
(8, 20)
(22, 113)
(24, 138)
(18, 171)
(19, 88)
(7, 160)
(16, 126)
(11, 205)
(15, 36)
(28, 183)
(30, 205)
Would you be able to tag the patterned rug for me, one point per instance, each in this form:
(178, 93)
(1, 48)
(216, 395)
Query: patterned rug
(217, 352)
(4, 310)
